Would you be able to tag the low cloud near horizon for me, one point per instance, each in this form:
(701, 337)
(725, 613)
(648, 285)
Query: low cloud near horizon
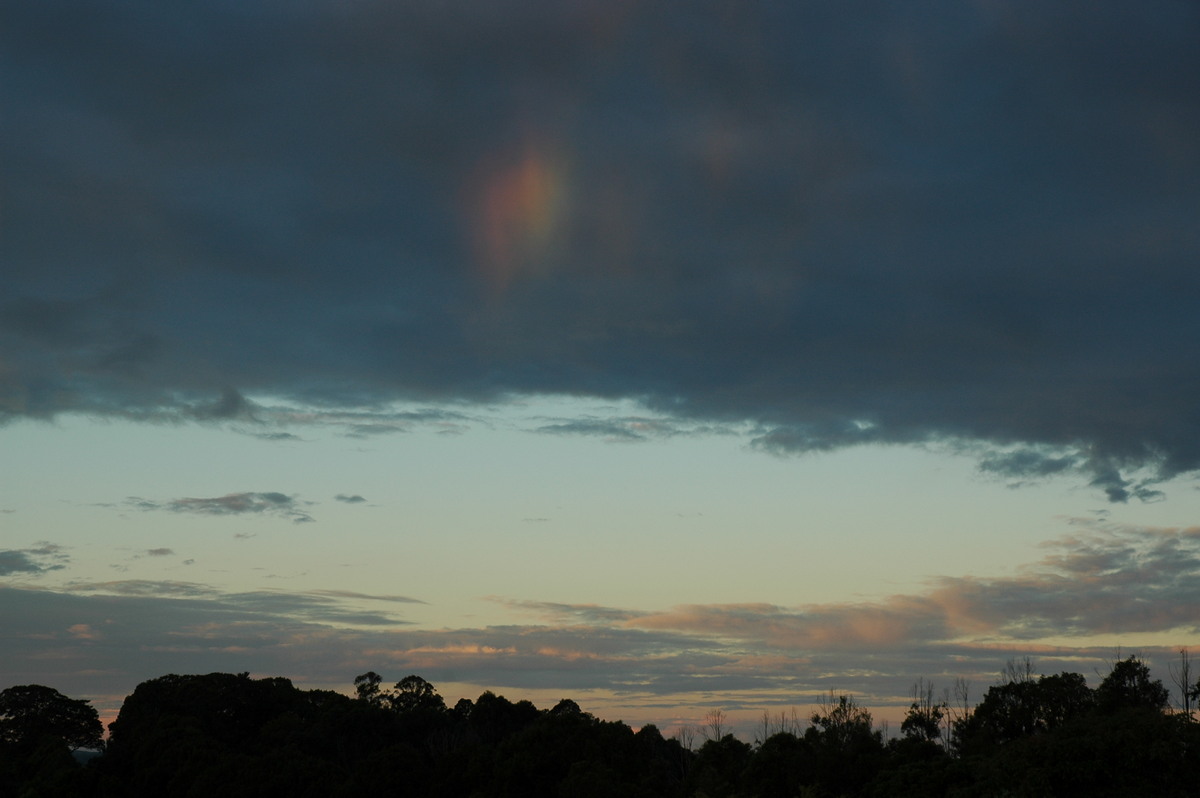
(1123, 581)
(831, 224)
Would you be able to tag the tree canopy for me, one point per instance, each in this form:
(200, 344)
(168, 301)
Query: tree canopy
(1129, 686)
(31, 713)
(196, 735)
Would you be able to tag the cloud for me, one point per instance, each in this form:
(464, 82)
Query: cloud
(837, 224)
(17, 562)
(1026, 463)
(160, 552)
(349, 594)
(270, 503)
(610, 429)
(1093, 590)
(145, 587)
(316, 606)
(350, 499)
(39, 559)
(230, 406)
(1113, 581)
(1031, 464)
(619, 429)
(364, 423)
(367, 430)
(576, 613)
(278, 436)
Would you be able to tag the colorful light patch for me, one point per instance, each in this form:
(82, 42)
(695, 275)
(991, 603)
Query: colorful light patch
(518, 216)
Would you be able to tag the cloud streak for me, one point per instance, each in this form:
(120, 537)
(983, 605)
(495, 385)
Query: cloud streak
(269, 503)
(626, 429)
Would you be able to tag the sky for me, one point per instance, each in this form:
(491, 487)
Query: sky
(666, 357)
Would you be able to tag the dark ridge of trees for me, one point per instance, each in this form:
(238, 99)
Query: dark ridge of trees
(230, 735)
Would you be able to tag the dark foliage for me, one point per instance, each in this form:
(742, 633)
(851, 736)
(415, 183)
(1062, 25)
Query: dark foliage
(1021, 708)
(30, 714)
(40, 729)
(1129, 686)
(234, 736)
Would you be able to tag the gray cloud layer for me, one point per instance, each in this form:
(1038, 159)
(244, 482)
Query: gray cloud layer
(842, 223)
(1095, 590)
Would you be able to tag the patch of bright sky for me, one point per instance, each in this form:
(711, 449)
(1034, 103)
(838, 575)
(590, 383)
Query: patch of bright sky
(498, 510)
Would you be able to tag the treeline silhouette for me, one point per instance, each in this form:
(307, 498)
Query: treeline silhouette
(231, 736)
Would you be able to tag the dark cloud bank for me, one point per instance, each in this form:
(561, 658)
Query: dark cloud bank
(839, 223)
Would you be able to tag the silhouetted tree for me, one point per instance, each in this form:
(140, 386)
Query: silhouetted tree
(1017, 671)
(234, 736)
(231, 735)
(842, 723)
(1129, 686)
(1061, 698)
(39, 730)
(958, 713)
(567, 709)
(847, 750)
(366, 688)
(780, 767)
(923, 721)
(714, 724)
(1181, 675)
(31, 713)
(414, 694)
(718, 768)
(495, 717)
(1024, 707)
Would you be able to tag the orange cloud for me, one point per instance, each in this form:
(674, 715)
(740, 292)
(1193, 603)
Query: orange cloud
(81, 631)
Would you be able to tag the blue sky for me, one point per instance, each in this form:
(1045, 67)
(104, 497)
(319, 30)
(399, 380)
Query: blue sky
(664, 358)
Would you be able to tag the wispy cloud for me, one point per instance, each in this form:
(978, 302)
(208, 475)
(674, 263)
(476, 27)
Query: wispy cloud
(383, 419)
(278, 436)
(269, 503)
(316, 606)
(574, 613)
(349, 594)
(38, 559)
(145, 588)
(637, 428)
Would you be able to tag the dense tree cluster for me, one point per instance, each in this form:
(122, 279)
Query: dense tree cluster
(40, 729)
(231, 735)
